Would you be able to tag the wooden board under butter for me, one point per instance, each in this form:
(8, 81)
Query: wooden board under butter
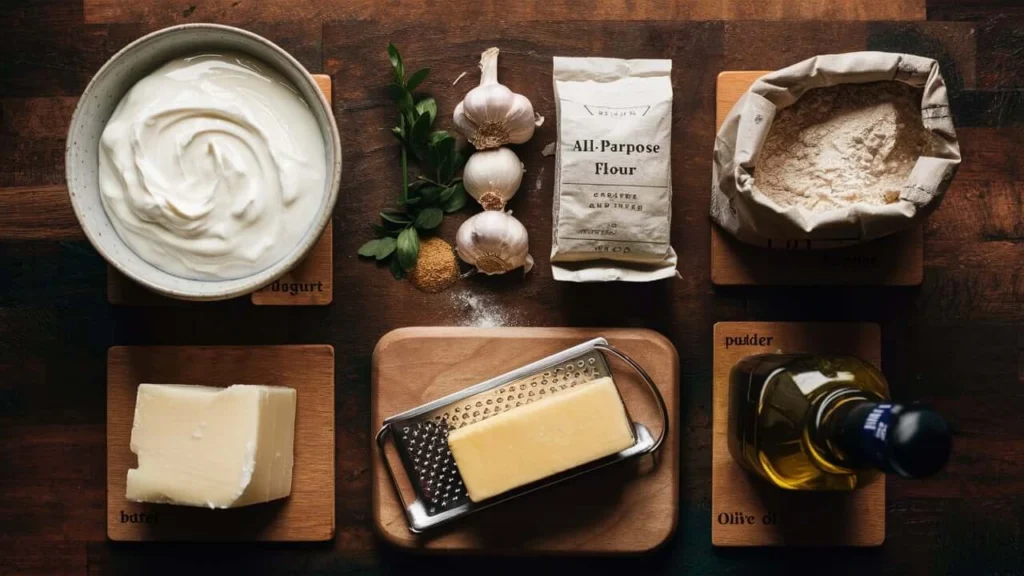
(306, 515)
(896, 260)
(310, 283)
(626, 508)
(746, 511)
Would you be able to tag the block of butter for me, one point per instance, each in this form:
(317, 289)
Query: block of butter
(212, 447)
(540, 439)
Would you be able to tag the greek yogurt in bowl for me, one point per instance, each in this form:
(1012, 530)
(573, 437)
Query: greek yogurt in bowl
(212, 167)
(203, 161)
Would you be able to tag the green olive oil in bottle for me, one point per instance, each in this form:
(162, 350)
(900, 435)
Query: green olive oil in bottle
(807, 422)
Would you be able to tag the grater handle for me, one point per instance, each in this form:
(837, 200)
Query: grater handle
(651, 386)
(382, 436)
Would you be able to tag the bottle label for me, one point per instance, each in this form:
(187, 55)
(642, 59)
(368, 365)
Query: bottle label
(875, 432)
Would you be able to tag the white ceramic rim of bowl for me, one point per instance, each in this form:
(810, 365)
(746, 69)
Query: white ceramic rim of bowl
(215, 289)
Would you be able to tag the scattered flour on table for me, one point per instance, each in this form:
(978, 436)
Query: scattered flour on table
(842, 145)
(480, 310)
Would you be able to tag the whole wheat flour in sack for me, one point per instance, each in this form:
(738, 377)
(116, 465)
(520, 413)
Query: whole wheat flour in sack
(613, 181)
(837, 149)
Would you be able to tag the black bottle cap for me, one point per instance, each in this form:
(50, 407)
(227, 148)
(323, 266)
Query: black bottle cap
(911, 441)
(919, 442)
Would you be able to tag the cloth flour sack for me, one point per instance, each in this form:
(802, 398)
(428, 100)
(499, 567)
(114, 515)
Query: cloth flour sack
(613, 178)
(741, 209)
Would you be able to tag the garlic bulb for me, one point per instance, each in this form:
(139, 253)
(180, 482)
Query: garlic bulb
(494, 242)
(493, 177)
(491, 115)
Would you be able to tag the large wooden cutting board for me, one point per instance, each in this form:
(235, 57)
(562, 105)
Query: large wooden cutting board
(630, 507)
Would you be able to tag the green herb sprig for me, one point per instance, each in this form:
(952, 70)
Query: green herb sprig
(423, 202)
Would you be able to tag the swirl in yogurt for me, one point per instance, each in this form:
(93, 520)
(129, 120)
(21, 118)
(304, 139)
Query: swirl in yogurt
(213, 167)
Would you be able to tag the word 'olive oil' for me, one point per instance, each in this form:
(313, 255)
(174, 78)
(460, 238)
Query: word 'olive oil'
(805, 422)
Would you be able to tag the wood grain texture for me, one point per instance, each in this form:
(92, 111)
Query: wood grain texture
(166, 12)
(854, 518)
(627, 508)
(306, 515)
(38, 213)
(954, 342)
(310, 283)
(897, 260)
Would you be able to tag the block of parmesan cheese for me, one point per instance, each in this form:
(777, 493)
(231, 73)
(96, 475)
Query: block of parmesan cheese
(212, 447)
(540, 439)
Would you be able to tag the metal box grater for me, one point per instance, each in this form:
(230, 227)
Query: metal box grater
(420, 435)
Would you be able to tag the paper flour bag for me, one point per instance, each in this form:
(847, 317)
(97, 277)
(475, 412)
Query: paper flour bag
(866, 153)
(613, 177)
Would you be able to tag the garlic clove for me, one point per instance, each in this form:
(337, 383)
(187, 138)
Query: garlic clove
(521, 120)
(462, 123)
(491, 103)
(493, 177)
(494, 242)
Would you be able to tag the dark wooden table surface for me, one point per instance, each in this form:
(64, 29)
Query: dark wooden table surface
(957, 341)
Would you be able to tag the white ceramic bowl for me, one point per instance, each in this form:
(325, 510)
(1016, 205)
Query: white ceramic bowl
(102, 95)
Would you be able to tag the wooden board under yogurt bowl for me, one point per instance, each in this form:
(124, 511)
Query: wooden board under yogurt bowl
(309, 283)
(746, 511)
(307, 515)
(627, 508)
(896, 260)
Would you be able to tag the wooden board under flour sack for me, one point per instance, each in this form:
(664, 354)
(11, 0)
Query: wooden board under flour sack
(896, 260)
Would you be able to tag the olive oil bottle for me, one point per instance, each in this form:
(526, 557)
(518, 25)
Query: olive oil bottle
(807, 422)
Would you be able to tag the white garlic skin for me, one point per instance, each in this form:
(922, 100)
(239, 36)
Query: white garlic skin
(493, 177)
(491, 115)
(495, 242)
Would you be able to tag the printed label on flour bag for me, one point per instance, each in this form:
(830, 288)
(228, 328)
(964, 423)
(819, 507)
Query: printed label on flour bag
(613, 181)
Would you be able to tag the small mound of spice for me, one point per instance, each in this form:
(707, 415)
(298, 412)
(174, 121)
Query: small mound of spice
(436, 268)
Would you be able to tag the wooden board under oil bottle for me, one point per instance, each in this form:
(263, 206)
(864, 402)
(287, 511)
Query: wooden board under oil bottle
(745, 510)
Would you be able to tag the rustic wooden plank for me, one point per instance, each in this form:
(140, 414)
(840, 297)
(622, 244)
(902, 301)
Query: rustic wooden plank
(38, 559)
(165, 12)
(49, 63)
(35, 447)
(33, 162)
(45, 512)
(772, 45)
(999, 42)
(38, 213)
(46, 117)
(973, 10)
(951, 43)
(955, 341)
